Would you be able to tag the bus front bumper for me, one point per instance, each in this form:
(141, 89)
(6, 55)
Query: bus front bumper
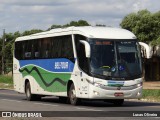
(99, 93)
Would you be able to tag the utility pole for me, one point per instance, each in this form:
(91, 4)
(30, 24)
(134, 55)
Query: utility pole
(3, 53)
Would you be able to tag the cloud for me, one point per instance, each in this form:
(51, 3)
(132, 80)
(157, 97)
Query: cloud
(18, 15)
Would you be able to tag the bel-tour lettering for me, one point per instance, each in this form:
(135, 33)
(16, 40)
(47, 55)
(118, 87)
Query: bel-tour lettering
(61, 65)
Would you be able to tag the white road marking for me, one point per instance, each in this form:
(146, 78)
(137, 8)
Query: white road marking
(80, 108)
(11, 100)
(155, 106)
(45, 104)
(31, 102)
(13, 94)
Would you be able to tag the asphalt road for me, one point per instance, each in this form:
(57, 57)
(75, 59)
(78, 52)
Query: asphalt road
(15, 102)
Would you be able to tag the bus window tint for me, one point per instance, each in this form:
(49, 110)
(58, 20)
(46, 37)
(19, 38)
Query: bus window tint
(28, 49)
(67, 47)
(62, 47)
(36, 50)
(45, 48)
(80, 49)
(19, 50)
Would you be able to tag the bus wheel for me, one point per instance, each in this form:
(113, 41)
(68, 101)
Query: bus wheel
(118, 102)
(72, 96)
(29, 95)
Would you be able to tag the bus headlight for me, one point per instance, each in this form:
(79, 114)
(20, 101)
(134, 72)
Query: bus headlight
(96, 93)
(139, 84)
(97, 84)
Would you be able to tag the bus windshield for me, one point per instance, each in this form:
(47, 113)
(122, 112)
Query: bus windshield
(112, 59)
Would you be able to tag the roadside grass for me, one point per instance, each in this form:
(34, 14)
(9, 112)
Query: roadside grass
(152, 95)
(6, 81)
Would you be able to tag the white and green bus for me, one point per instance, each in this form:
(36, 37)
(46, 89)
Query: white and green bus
(74, 63)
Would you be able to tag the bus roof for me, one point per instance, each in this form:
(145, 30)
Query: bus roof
(88, 31)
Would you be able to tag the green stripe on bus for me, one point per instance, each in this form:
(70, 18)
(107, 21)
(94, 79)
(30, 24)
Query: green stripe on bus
(51, 82)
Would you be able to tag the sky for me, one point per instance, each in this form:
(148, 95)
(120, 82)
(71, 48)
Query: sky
(21, 15)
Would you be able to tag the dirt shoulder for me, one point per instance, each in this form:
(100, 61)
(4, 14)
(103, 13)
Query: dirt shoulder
(151, 85)
(6, 86)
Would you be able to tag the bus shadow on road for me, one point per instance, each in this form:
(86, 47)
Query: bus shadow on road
(92, 103)
(126, 104)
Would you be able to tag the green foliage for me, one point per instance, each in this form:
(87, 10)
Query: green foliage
(151, 95)
(100, 25)
(7, 51)
(155, 42)
(144, 24)
(129, 22)
(29, 32)
(77, 23)
(152, 92)
(6, 79)
(72, 23)
(55, 26)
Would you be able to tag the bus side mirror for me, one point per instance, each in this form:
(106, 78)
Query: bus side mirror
(147, 48)
(87, 48)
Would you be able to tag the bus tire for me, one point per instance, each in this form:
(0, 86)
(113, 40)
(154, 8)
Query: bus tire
(29, 95)
(72, 96)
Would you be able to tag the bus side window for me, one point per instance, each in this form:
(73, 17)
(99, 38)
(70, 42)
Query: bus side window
(46, 47)
(35, 50)
(68, 48)
(28, 49)
(19, 50)
(27, 54)
(80, 49)
(62, 47)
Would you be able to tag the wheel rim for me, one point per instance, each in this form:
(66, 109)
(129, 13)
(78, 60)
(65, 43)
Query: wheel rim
(73, 95)
(28, 92)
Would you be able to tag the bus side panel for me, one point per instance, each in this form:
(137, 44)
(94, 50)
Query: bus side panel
(48, 75)
(37, 89)
(80, 82)
(17, 77)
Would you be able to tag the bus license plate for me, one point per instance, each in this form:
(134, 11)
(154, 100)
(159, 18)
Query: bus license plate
(118, 94)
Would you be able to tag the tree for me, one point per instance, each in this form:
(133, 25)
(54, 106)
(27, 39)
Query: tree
(33, 31)
(101, 25)
(9, 44)
(144, 24)
(156, 18)
(55, 26)
(77, 23)
(72, 23)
